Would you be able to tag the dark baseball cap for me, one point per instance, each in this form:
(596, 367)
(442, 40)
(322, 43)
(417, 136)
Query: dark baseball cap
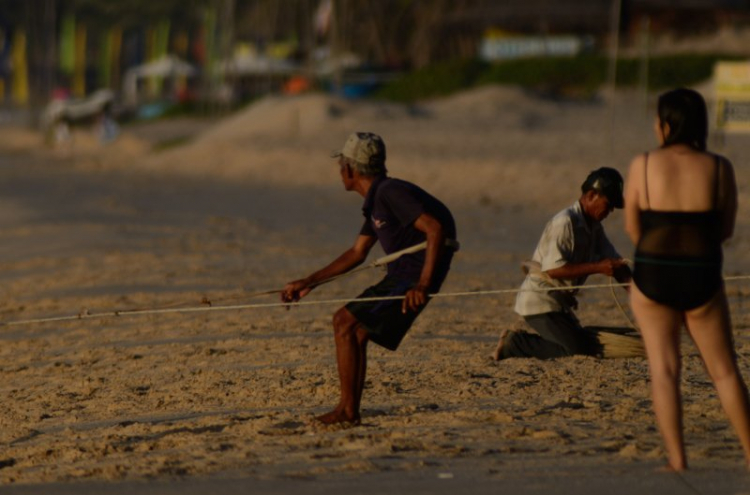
(607, 181)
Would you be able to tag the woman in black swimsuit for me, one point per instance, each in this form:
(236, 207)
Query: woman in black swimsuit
(680, 205)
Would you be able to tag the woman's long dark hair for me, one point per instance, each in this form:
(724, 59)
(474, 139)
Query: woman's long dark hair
(685, 112)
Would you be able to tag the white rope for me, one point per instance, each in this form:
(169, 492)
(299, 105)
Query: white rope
(619, 306)
(382, 261)
(200, 309)
(451, 243)
(617, 300)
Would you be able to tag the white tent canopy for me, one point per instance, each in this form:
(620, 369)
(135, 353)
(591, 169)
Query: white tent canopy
(249, 64)
(165, 67)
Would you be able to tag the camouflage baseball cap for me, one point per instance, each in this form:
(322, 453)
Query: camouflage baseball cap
(363, 147)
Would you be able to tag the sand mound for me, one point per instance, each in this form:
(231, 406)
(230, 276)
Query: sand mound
(275, 116)
(486, 143)
(493, 143)
(479, 103)
(280, 140)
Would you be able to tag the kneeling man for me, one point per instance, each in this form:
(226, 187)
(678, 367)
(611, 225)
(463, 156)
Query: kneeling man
(572, 247)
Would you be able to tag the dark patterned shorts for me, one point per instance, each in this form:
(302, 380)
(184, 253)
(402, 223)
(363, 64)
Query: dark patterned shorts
(386, 325)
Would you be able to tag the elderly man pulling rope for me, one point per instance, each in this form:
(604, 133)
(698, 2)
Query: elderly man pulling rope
(398, 214)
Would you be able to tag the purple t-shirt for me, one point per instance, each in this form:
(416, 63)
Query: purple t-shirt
(390, 209)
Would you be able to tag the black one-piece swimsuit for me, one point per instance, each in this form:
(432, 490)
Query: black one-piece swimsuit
(678, 259)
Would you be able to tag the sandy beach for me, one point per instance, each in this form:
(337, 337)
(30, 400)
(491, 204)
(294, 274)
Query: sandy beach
(251, 201)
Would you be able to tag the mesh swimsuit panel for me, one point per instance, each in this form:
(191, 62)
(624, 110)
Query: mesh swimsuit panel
(678, 258)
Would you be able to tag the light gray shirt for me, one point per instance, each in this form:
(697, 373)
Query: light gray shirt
(567, 238)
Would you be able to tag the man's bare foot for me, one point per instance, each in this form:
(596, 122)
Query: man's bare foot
(500, 343)
(338, 416)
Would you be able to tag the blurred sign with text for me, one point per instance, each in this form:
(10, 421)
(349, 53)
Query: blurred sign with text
(506, 47)
(732, 87)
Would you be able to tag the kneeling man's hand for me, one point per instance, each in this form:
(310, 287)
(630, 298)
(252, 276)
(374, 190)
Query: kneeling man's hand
(612, 266)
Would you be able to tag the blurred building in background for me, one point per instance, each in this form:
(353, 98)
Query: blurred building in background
(220, 52)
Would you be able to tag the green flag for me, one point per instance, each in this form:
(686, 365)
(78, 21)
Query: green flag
(68, 44)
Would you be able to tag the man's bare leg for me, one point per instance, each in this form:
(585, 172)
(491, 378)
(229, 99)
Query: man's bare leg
(351, 361)
(362, 340)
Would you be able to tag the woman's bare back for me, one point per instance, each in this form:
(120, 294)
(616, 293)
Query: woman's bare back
(678, 178)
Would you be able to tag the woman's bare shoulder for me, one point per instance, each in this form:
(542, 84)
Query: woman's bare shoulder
(641, 157)
(638, 162)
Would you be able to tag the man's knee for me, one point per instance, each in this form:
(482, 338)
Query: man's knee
(345, 324)
(362, 336)
(567, 333)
